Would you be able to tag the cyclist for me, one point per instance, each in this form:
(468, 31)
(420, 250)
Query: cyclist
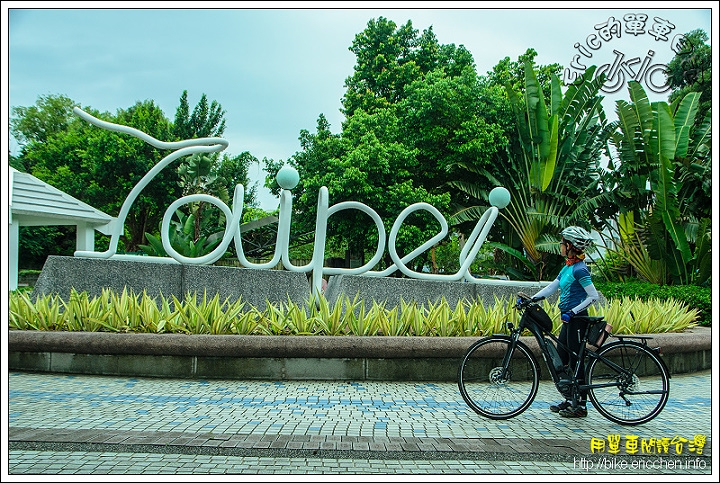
(577, 292)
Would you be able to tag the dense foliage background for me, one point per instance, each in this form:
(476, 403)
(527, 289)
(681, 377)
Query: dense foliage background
(421, 124)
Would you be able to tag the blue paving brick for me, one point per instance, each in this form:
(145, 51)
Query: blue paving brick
(322, 409)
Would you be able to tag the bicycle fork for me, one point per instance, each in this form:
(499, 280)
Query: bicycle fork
(514, 337)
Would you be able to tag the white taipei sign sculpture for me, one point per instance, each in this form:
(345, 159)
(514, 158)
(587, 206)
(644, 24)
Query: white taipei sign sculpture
(287, 179)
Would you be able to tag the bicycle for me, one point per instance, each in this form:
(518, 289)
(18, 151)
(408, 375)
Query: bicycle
(626, 380)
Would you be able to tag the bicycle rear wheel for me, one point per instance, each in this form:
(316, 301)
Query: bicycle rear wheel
(484, 387)
(633, 387)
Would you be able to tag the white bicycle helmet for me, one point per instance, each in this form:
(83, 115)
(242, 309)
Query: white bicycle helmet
(579, 237)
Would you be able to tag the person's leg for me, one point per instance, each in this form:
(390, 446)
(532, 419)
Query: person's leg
(564, 358)
(574, 331)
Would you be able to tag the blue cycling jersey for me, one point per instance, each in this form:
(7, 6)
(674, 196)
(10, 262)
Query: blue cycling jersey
(573, 280)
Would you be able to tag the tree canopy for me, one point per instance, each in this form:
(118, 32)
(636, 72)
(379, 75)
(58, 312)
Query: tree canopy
(100, 167)
(422, 126)
(691, 71)
(413, 112)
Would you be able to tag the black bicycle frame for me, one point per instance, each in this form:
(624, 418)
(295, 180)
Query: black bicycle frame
(539, 333)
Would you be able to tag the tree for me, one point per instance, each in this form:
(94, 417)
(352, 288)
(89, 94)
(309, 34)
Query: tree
(94, 165)
(200, 173)
(32, 127)
(205, 121)
(512, 73)
(234, 170)
(114, 163)
(212, 174)
(101, 167)
(208, 121)
(442, 119)
(411, 110)
(35, 242)
(367, 164)
(389, 58)
(660, 232)
(691, 71)
(383, 172)
(37, 124)
(384, 65)
(197, 176)
(50, 115)
(473, 177)
(551, 166)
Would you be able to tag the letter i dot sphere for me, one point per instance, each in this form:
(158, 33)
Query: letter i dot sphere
(287, 177)
(499, 197)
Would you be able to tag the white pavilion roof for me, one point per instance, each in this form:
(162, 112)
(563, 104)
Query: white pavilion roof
(34, 202)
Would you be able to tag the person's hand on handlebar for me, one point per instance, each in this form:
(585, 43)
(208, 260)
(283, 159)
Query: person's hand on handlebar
(524, 299)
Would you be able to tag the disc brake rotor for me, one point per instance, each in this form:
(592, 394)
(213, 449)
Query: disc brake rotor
(495, 376)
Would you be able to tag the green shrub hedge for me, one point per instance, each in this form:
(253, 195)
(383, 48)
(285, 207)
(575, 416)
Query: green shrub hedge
(691, 295)
(195, 314)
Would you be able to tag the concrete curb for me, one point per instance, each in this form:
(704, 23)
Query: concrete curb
(285, 357)
(391, 347)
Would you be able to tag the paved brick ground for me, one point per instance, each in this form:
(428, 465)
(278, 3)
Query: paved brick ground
(94, 425)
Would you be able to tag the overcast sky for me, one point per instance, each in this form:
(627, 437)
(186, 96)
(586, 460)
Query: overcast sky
(275, 70)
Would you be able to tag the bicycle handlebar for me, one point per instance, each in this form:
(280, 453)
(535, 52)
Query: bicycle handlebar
(523, 301)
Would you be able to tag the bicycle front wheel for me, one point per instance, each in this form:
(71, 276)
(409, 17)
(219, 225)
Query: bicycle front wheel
(496, 383)
(632, 383)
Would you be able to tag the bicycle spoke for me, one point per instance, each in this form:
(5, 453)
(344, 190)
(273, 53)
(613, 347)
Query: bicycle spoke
(491, 391)
(633, 393)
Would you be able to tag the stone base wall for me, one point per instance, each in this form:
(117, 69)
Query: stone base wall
(60, 274)
(257, 287)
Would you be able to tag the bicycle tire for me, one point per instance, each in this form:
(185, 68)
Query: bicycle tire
(479, 378)
(632, 397)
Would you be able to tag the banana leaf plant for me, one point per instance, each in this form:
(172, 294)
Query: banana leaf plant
(197, 175)
(659, 150)
(555, 177)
